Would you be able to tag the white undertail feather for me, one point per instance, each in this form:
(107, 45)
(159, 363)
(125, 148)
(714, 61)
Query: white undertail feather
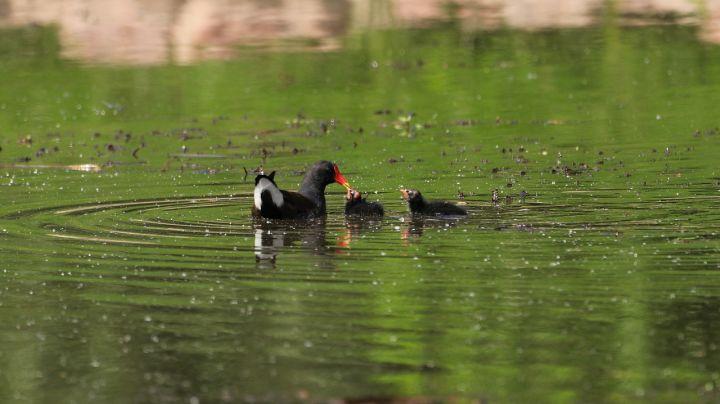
(266, 185)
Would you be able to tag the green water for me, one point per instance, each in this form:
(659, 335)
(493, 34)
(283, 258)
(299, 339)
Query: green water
(148, 280)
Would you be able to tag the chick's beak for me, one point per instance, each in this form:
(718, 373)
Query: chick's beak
(339, 178)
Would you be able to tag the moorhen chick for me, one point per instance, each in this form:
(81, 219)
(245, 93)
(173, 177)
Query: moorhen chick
(272, 202)
(355, 204)
(419, 206)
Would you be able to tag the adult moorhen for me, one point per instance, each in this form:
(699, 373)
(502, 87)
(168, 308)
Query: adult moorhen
(357, 205)
(419, 206)
(272, 202)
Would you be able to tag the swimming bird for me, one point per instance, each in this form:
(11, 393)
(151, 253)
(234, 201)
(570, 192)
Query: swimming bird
(357, 205)
(419, 206)
(271, 202)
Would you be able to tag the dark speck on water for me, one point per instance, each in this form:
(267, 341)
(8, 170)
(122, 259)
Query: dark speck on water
(523, 195)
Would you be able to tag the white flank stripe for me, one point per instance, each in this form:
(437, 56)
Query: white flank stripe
(263, 185)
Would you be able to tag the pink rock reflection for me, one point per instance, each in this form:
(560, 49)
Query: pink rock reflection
(162, 31)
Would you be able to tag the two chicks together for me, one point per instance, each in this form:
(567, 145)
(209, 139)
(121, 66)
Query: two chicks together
(355, 204)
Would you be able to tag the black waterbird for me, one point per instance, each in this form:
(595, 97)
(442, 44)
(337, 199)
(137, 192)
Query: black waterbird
(271, 202)
(420, 206)
(355, 204)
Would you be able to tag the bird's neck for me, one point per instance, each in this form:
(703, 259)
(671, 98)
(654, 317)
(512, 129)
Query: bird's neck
(418, 204)
(314, 190)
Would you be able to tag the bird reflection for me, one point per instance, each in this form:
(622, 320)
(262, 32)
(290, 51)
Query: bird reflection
(416, 226)
(356, 227)
(272, 237)
(413, 230)
(267, 242)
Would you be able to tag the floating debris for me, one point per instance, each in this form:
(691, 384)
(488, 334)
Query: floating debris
(26, 140)
(84, 167)
(200, 156)
(465, 122)
(74, 167)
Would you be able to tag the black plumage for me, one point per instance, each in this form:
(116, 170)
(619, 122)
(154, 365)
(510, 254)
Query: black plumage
(356, 205)
(271, 202)
(420, 206)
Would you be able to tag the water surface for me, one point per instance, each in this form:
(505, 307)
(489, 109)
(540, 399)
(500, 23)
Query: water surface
(143, 277)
